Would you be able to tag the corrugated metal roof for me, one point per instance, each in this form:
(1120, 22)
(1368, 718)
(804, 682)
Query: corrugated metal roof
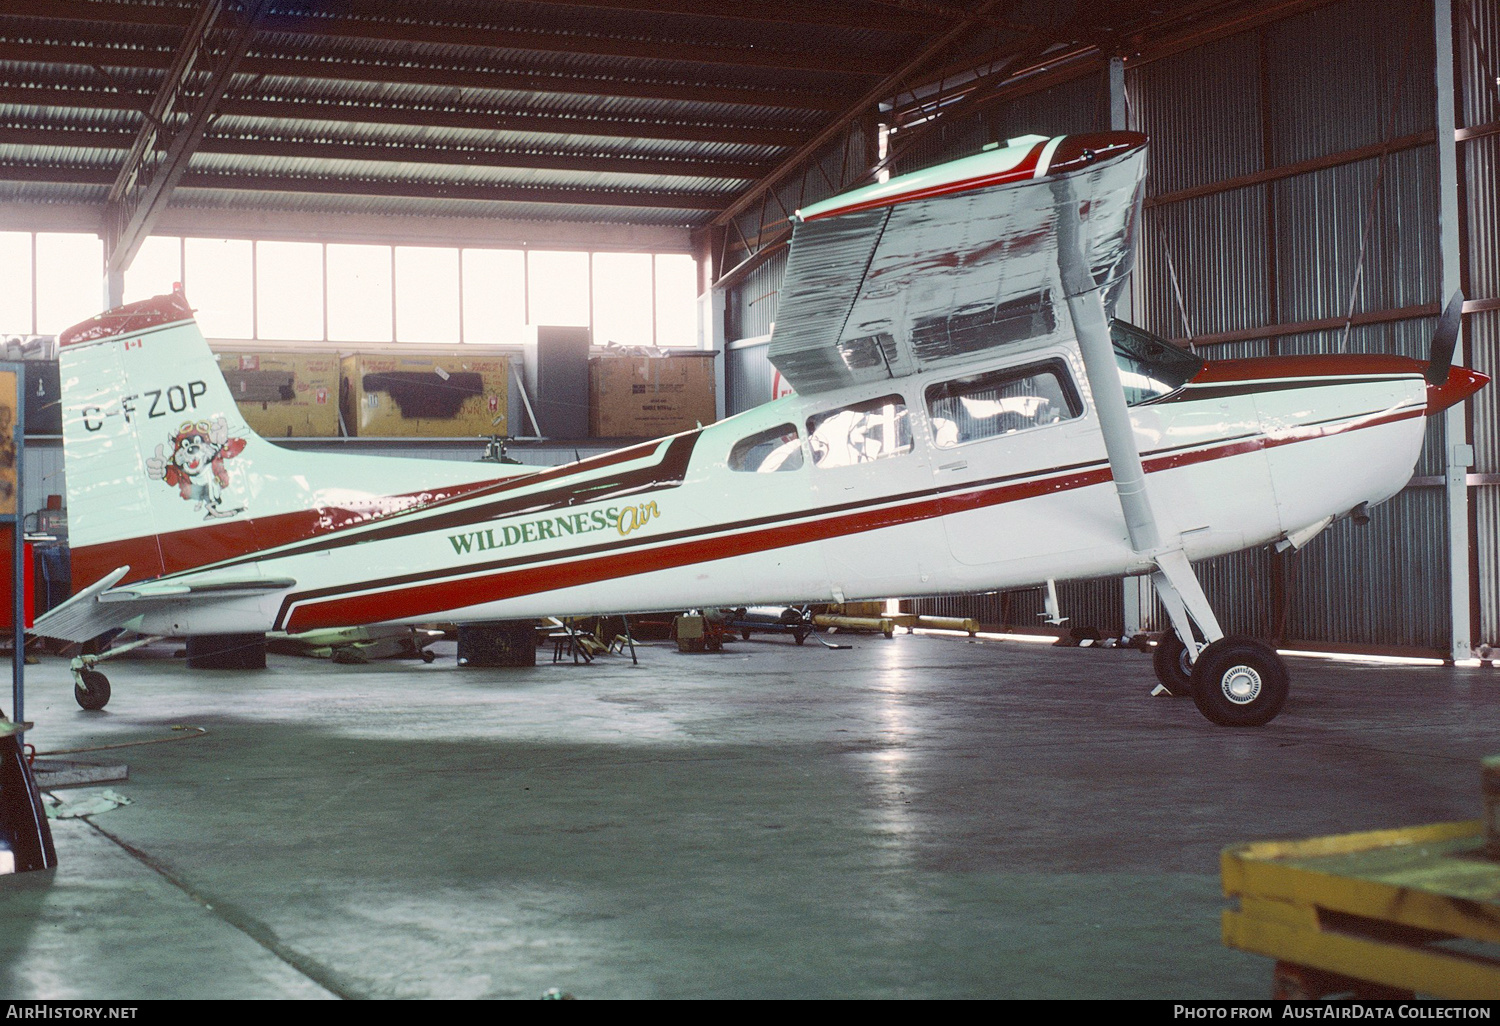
(294, 167)
(441, 99)
(433, 100)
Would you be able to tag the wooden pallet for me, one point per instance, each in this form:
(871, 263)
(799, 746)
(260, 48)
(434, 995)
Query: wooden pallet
(1387, 913)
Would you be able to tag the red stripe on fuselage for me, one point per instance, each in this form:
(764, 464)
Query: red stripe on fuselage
(1331, 365)
(407, 602)
(196, 547)
(179, 551)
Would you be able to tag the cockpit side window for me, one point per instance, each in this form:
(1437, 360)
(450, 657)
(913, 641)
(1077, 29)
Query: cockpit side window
(862, 433)
(1150, 367)
(1001, 402)
(768, 452)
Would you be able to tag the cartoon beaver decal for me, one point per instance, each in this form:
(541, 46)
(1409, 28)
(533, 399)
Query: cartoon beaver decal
(196, 465)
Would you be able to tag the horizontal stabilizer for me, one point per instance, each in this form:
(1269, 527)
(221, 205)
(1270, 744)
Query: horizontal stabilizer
(80, 618)
(102, 607)
(146, 591)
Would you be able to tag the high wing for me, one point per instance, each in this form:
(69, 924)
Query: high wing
(103, 607)
(936, 266)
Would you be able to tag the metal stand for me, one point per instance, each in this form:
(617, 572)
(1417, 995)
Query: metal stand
(625, 624)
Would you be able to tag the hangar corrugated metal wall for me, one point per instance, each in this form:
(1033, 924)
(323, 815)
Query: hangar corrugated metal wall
(1267, 147)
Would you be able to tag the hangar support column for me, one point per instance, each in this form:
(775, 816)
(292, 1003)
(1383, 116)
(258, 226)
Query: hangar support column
(1458, 454)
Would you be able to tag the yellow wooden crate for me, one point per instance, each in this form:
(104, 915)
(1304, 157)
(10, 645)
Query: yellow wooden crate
(1383, 906)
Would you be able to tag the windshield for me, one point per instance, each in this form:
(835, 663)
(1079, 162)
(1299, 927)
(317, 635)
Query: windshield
(1150, 367)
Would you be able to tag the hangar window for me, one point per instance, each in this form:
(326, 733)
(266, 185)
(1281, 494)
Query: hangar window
(350, 291)
(861, 433)
(218, 275)
(359, 292)
(1001, 402)
(767, 452)
(16, 314)
(68, 268)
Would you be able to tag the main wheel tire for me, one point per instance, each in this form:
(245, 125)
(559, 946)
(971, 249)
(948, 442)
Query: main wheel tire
(1172, 665)
(1240, 682)
(94, 694)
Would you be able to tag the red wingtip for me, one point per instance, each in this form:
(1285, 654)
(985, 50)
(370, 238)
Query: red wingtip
(1462, 382)
(1076, 152)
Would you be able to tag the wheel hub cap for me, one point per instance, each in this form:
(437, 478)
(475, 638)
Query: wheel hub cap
(1241, 684)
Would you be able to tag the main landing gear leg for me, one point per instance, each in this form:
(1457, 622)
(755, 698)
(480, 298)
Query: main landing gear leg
(90, 686)
(1237, 682)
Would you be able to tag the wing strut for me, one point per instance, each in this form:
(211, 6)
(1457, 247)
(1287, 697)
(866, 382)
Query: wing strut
(1174, 578)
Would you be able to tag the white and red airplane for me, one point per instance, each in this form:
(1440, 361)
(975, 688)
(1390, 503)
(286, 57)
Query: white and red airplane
(966, 418)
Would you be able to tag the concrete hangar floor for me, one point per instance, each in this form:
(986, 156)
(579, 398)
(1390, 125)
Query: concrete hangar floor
(916, 817)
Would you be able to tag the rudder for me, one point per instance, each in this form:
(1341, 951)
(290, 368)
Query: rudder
(154, 446)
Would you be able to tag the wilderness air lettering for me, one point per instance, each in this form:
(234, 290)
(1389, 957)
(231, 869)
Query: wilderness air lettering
(621, 520)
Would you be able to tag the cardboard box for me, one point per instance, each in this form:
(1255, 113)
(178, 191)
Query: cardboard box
(650, 396)
(285, 394)
(439, 396)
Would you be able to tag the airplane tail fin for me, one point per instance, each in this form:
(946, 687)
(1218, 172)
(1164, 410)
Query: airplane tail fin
(164, 475)
(159, 462)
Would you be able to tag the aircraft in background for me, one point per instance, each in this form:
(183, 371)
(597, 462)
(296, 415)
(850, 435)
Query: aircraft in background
(966, 417)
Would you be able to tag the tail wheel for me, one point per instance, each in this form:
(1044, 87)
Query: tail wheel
(1173, 667)
(1240, 682)
(92, 689)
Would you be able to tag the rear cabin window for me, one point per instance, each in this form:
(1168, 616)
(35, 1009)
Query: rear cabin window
(1150, 367)
(861, 433)
(1001, 402)
(768, 452)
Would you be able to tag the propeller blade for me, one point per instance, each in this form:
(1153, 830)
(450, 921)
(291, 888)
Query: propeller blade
(1445, 339)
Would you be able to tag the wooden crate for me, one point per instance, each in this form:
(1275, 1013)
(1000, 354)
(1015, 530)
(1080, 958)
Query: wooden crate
(1376, 913)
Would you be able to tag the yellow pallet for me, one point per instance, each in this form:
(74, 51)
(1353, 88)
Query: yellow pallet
(1381, 908)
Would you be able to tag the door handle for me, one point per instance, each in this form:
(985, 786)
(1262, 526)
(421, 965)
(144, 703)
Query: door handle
(955, 465)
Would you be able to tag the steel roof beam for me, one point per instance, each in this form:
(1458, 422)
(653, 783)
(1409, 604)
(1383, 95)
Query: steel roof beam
(860, 109)
(344, 186)
(95, 55)
(469, 157)
(429, 117)
(315, 24)
(549, 124)
(636, 87)
(596, 46)
(847, 16)
(176, 122)
(387, 153)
